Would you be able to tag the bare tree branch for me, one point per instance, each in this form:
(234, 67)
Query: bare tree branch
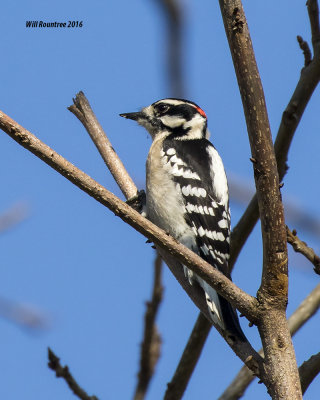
(280, 369)
(150, 346)
(313, 11)
(63, 372)
(301, 247)
(291, 117)
(83, 111)
(309, 79)
(301, 315)
(189, 359)
(170, 249)
(308, 371)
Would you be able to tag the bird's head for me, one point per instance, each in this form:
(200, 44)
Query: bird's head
(182, 119)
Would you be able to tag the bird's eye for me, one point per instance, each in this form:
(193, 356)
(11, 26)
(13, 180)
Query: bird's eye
(162, 108)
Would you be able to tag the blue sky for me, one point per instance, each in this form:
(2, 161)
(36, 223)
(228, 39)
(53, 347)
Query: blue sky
(86, 271)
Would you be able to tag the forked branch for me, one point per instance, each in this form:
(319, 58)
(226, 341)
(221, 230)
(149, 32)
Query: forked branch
(306, 310)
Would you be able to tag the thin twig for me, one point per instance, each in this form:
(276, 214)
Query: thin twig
(308, 371)
(171, 250)
(307, 309)
(189, 359)
(301, 247)
(83, 111)
(150, 346)
(63, 372)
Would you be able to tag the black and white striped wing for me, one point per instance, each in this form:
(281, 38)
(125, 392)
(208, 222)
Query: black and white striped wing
(198, 172)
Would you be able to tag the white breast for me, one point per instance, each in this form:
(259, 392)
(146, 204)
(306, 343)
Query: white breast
(164, 201)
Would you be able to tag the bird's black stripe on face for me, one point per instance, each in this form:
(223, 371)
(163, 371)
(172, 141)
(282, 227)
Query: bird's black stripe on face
(184, 111)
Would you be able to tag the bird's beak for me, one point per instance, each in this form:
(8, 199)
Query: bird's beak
(135, 115)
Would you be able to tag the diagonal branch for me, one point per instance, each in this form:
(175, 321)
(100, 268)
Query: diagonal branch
(308, 371)
(63, 372)
(169, 248)
(301, 315)
(150, 346)
(301, 247)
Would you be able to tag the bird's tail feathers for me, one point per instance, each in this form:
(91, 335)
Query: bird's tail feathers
(231, 320)
(222, 312)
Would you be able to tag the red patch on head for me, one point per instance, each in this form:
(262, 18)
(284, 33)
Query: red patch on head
(201, 112)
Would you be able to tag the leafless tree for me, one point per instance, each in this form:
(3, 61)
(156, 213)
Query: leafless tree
(275, 365)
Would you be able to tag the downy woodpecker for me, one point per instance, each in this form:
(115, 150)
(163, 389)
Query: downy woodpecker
(187, 192)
